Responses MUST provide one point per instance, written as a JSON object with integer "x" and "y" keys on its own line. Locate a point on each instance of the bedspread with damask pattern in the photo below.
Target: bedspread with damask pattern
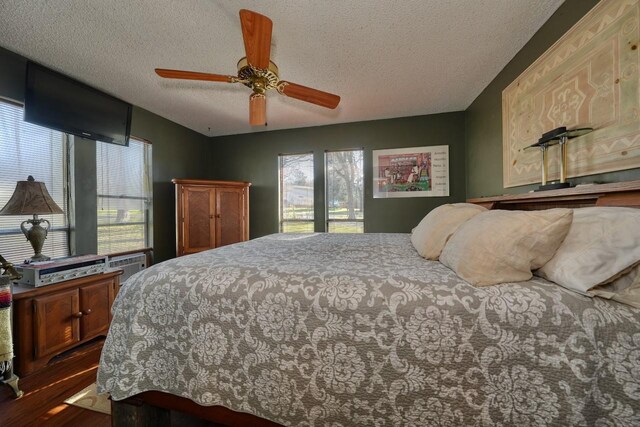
{"x": 341, "y": 330}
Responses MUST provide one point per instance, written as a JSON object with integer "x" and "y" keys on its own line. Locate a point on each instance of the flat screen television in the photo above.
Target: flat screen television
{"x": 58, "y": 102}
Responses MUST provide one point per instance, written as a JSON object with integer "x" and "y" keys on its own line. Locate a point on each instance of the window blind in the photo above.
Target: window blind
{"x": 29, "y": 149}
{"x": 124, "y": 196}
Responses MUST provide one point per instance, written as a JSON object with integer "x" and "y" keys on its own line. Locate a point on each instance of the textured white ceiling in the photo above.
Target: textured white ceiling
{"x": 385, "y": 58}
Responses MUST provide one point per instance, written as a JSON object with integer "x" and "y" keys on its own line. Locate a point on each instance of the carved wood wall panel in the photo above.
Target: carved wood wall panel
{"x": 588, "y": 78}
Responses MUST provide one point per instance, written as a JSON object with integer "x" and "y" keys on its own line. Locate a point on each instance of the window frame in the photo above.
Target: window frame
{"x": 66, "y": 189}
{"x": 281, "y": 220}
{"x": 326, "y": 190}
{"x": 148, "y": 201}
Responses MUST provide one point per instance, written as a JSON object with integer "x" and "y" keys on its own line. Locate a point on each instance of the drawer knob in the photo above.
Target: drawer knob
{"x": 77, "y": 315}
{"x": 87, "y": 312}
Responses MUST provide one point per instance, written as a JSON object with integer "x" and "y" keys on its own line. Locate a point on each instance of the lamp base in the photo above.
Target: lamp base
{"x": 39, "y": 258}
{"x": 554, "y": 186}
{"x": 36, "y": 235}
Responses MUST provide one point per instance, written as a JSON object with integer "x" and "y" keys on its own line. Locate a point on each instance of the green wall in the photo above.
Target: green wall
{"x": 84, "y": 230}
{"x": 254, "y": 157}
{"x": 178, "y": 152}
{"x": 12, "y": 75}
{"x": 484, "y": 115}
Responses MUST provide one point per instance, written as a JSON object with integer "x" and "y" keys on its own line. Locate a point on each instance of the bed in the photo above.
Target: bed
{"x": 322, "y": 329}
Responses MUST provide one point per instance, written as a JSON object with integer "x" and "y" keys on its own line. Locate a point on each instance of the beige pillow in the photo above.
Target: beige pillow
{"x": 432, "y": 233}
{"x": 603, "y": 244}
{"x": 504, "y": 246}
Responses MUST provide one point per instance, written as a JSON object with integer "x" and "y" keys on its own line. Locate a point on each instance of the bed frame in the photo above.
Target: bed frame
{"x": 157, "y": 408}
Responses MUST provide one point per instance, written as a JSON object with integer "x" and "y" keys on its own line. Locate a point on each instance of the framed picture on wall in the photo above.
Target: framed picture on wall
{"x": 411, "y": 172}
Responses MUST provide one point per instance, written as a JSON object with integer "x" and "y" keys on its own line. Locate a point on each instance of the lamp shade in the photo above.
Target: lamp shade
{"x": 30, "y": 197}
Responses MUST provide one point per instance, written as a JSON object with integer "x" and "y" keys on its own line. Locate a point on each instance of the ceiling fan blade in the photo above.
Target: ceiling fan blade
{"x": 307, "y": 94}
{"x": 256, "y": 32}
{"x": 192, "y": 75}
{"x": 257, "y": 109}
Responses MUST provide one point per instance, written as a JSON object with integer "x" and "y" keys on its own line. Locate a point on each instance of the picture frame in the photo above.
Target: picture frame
{"x": 411, "y": 172}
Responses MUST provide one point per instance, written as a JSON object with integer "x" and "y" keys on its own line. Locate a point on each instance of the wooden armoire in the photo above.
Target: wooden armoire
{"x": 210, "y": 214}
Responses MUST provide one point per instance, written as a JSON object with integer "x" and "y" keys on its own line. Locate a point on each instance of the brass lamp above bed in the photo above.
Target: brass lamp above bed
{"x": 554, "y": 137}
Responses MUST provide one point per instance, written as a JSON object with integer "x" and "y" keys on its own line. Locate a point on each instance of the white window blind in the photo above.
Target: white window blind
{"x": 124, "y": 196}
{"x": 27, "y": 149}
{"x": 345, "y": 191}
{"x": 296, "y": 193}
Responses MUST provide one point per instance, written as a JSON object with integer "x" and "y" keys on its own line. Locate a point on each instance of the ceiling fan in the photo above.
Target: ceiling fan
{"x": 258, "y": 72}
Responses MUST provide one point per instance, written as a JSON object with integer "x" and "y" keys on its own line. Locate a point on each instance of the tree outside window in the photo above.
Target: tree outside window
{"x": 345, "y": 191}
{"x": 296, "y": 193}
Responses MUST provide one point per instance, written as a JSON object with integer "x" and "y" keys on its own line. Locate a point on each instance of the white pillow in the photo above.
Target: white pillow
{"x": 432, "y": 233}
{"x": 504, "y": 246}
{"x": 603, "y": 243}
{"x": 625, "y": 289}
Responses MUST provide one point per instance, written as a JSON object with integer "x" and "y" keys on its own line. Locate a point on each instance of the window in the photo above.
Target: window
{"x": 345, "y": 190}
{"x": 124, "y": 196}
{"x": 296, "y": 193}
{"x": 29, "y": 149}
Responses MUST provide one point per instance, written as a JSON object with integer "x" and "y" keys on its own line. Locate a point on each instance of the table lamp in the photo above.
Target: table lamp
{"x": 32, "y": 198}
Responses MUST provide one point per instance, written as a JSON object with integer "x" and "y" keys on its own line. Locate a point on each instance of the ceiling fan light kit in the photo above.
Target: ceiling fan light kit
{"x": 258, "y": 72}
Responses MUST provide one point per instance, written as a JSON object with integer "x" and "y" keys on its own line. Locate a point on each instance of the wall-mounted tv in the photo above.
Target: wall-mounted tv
{"x": 59, "y": 102}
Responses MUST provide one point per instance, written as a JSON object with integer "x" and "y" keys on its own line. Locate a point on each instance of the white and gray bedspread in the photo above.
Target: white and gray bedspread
{"x": 341, "y": 330}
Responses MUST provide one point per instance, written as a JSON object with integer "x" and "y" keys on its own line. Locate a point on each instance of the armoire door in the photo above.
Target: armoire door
{"x": 198, "y": 219}
{"x": 229, "y": 216}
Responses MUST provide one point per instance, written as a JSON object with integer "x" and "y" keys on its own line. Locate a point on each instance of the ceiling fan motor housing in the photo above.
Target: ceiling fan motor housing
{"x": 257, "y": 79}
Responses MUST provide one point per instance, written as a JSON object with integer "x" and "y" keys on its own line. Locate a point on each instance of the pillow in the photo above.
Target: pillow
{"x": 625, "y": 289}
{"x": 504, "y": 246}
{"x": 603, "y": 243}
{"x": 432, "y": 233}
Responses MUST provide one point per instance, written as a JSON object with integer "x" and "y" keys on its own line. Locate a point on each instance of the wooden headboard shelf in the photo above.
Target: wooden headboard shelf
{"x": 615, "y": 194}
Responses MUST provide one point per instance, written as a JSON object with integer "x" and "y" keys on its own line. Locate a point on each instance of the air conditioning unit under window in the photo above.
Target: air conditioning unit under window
{"x": 130, "y": 264}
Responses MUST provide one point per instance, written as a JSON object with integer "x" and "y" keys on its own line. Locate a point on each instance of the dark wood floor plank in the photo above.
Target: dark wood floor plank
{"x": 45, "y": 391}
{"x": 67, "y": 415}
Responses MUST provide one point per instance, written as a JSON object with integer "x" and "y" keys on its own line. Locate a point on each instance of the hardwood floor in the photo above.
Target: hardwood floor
{"x": 44, "y": 393}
